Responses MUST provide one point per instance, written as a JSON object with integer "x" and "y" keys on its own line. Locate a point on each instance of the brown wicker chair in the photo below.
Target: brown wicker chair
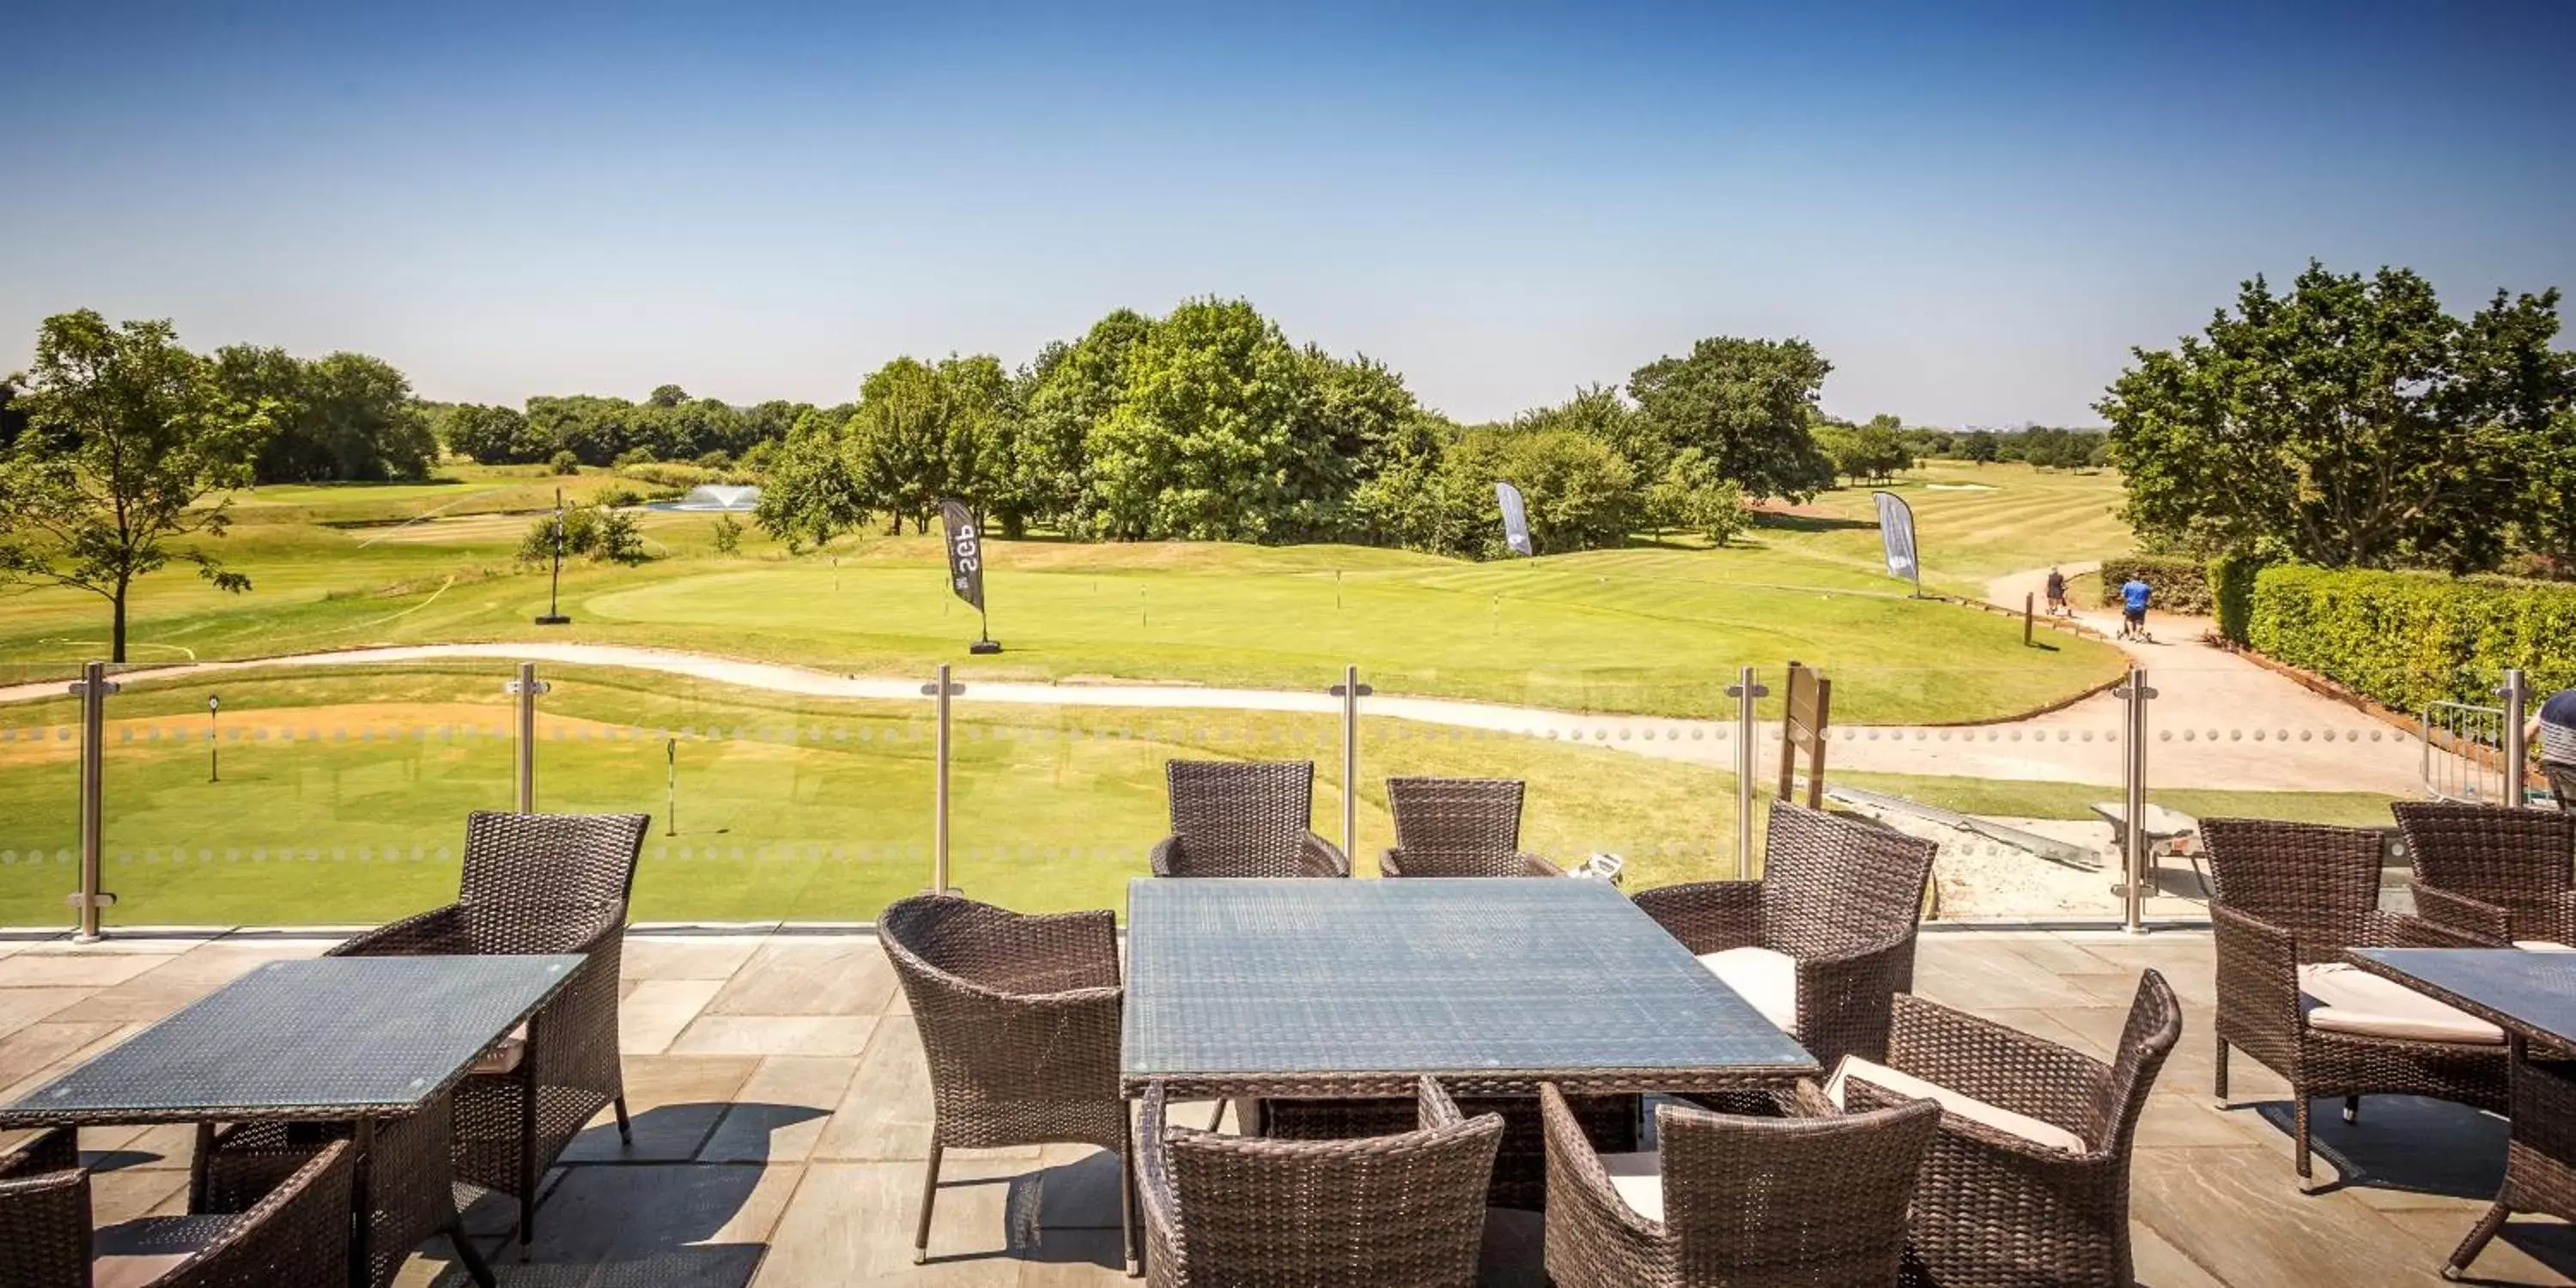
{"x": 2027, "y": 1183}
{"x": 1244, "y": 819}
{"x": 1020, "y": 1023}
{"x": 2498, "y": 875}
{"x": 295, "y": 1236}
{"x": 1733, "y": 1202}
{"x": 1402, "y": 1211}
{"x": 1459, "y": 827}
{"x": 2287, "y": 900}
{"x": 534, "y": 883}
{"x": 1838, "y": 901}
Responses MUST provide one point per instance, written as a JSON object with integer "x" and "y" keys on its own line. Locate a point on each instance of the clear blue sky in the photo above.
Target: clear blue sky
{"x": 1972, "y": 209}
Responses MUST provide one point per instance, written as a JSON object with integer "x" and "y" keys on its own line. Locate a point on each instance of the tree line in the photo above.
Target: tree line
{"x": 1209, "y": 423}
{"x": 587, "y": 429}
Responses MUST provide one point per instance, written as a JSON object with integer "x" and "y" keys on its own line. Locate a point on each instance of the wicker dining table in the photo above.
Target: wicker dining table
{"x": 2532, "y": 997}
{"x": 1326, "y": 989}
{"x": 366, "y": 1047}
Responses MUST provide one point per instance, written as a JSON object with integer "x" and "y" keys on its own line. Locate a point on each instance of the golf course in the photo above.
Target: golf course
{"x": 307, "y": 798}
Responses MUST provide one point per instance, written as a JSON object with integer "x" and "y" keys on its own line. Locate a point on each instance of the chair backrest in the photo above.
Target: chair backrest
{"x": 1242, "y": 818}
{"x": 986, "y": 988}
{"x": 557, "y": 859}
{"x": 1403, "y": 1209}
{"x": 1791, "y": 1202}
{"x": 1457, "y": 826}
{"x": 1832, "y": 884}
{"x": 2516, "y": 859}
{"x": 2155, "y": 1025}
{"x": 2316, "y": 881}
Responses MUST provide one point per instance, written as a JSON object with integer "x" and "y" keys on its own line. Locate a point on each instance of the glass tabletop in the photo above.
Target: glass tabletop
{"x": 2534, "y": 992}
{"x": 1422, "y": 976}
{"x": 329, "y": 1037}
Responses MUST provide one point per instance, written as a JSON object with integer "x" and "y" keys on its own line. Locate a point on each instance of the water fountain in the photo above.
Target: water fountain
{"x": 714, "y": 498}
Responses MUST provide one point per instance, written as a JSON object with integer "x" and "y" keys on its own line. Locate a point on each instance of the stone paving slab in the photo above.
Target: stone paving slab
{"x": 782, "y": 1115}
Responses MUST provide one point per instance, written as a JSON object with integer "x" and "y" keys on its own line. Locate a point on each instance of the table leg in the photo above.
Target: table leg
{"x": 362, "y": 1151}
{"x": 197, "y": 1163}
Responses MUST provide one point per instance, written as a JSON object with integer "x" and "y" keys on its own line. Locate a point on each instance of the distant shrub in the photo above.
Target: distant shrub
{"x": 580, "y": 533}
{"x": 620, "y": 497}
{"x": 564, "y": 462}
{"x": 715, "y": 460}
{"x": 618, "y": 538}
{"x": 634, "y": 456}
{"x": 728, "y": 534}
{"x": 2404, "y": 639}
{"x": 2181, "y": 585}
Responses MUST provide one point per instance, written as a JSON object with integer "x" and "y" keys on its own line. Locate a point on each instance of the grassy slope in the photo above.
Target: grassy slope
{"x": 1644, "y": 629}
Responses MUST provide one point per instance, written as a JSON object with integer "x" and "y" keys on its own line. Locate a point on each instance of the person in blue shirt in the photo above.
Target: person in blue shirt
{"x": 2134, "y": 595}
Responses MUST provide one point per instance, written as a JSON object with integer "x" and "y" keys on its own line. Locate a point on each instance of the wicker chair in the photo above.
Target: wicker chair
{"x": 2027, "y": 1183}
{"x": 2287, "y": 900}
{"x": 1459, "y": 827}
{"x": 1402, "y": 1211}
{"x": 1733, "y": 1202}
{"x": 2498, "y": 875}
{"x": 533, "y": 883}
{"x": 295, "y": 1236}
{"x": 1244, "y": 819}
{"x": 1020, "y": 1022}
{"x": 1822, "y": 942}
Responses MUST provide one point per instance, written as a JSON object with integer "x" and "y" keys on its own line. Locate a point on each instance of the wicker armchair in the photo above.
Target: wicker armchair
{"x": 534, "y": 883}
{"x": 1459, "y": 827}
{"x": 1402, "y": 1211}
{"x": 2495, "y": 874}
{"x": 1733, "y": 1202}
{"x": 2287, "y": 900}
{"x": 1822, "y": 942}
{"x": 1244, "y": 819}
{"x": 1020, "y": 1022}
{"x": 295, "y": 1236}
{"x": 2027, "y": 1182}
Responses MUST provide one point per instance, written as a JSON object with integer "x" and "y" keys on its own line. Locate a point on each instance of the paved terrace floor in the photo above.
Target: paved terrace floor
{"x": 782, "y": 1112}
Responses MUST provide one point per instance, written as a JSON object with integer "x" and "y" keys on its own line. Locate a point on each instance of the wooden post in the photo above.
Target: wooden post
{"x": 1804, "y": 719}
{"x": 2026, "y": 598}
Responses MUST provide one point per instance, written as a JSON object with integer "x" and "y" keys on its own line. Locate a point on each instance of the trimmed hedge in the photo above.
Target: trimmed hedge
{"x": 2231, "y": 592}
{"x": 2404, "y": 639}
{"x": 2181, "y": 585}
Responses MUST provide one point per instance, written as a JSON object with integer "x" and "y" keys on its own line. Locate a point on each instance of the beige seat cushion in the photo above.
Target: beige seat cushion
{"x": 1767, "y": 979}
{"x": 2541, "y": 946}
{"x": 132, "y": 1254}
{"x": 1639, "y": 1179}
{"x": 1965, "y": 1106}
{"x": 505, "y": 1055}
{"x": 2342, "y": 998}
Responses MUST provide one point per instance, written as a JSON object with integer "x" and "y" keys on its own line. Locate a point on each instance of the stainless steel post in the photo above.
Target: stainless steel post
{"x": 2133, "y": 807}
{"x": 2517, "y": 750}
{"x": 1744, "y": 691}
{"x": 92, "y": 688}
{"x": 943, "y": 690}
{"x": 1350, "y": 691}
{"x": 527, "y": 687}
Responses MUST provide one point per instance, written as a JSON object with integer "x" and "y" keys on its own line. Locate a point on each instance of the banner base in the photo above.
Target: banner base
{"x": 554, "y": 619}
{"x": 981, "y": 647}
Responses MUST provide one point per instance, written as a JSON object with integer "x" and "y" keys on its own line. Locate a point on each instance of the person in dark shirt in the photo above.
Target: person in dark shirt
{"x": 2057, "y": 595}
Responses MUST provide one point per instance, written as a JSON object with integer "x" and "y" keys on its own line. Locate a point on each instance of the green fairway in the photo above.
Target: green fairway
{"x": 1648, "y": 629}
{"x": 343, "y": 794}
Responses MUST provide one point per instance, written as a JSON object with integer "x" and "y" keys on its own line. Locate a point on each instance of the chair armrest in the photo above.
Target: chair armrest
{"x": 45, "y": 1207}
{"x": 1707, "y": 916}
{"x": 2381, "y": 928}
{"x": 2459, "y": 914}
{"x": 1845, "y": 1000}
{"x": 2257, "y": 975}
{"x": 2005, "y": 1152}
{"x": 1030, "y": 955}
{"x": 1534, "y": 866}
{"x": 1164, "y": 855}
{"x": 2002, "y": 1066}
{"x": 1154, "y": 1183}
{"x": 1586, "y": 1218}
{"x": 304, "y": 1219}
{"x": 1324, "y": 859}
{"x": 1433, "y": 1109}
{"x": 439, "y": 932}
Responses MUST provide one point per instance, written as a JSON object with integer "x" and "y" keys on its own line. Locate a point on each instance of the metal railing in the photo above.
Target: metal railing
{"x": 2464, "y": 752}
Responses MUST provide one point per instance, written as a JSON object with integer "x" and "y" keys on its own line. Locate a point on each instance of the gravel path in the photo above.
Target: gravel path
{"x": 2221, "y": 722}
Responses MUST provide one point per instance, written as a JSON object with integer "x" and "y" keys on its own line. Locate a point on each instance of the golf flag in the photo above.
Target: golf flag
{"x": 965, "y": 553}
{"x": 1896, "y": 537}
{"x": 1515, "y": 519}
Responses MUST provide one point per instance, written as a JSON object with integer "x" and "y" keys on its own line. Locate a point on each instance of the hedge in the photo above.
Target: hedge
{"x": 2181, "y": 585}
{"x": 2405, "y": 639}
{"x": 2231, "y": 592}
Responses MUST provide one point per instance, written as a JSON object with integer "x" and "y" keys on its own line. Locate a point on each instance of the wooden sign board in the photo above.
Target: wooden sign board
{"x": 1808, "y": 715}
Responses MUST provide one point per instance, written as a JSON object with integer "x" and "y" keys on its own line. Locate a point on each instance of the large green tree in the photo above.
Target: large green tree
{"x": 1203, "y": 442}
{"x": 1072, "y": 388}
{"x": 128, "y": 437}
{"x": 345, "y": 417}
{"x": 1746, "y": 405}
{"x": 2349, "y": 422}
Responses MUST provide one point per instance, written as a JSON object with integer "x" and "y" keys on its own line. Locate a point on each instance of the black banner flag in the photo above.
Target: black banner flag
{"x": 966, "y": 566}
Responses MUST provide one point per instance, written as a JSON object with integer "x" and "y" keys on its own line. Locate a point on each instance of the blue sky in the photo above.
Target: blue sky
{"x": 1974, "y": 210}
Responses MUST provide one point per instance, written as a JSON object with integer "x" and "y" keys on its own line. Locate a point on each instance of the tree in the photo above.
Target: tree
{"x": 1202, "y": 443}
{"x": 127, "y": 435}
{"x": 1692, "y": 497}
{"x": 1978, "y": 446}
{"x": 898, "y": 441}
{"x": 343, "y": 417}
{"x": 1072, "y": 388}
{"x": 493, "y": 435}
{"x": 809, "y": 491}
{"x": 1580, "y": 492}
{"x": 2351, "y": 422}
{"x": 1745, "y": 404}
{"x": 13, "y": 416}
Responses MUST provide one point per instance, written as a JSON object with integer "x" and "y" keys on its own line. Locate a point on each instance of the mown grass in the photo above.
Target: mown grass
{"x": 1653, "y": 629}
